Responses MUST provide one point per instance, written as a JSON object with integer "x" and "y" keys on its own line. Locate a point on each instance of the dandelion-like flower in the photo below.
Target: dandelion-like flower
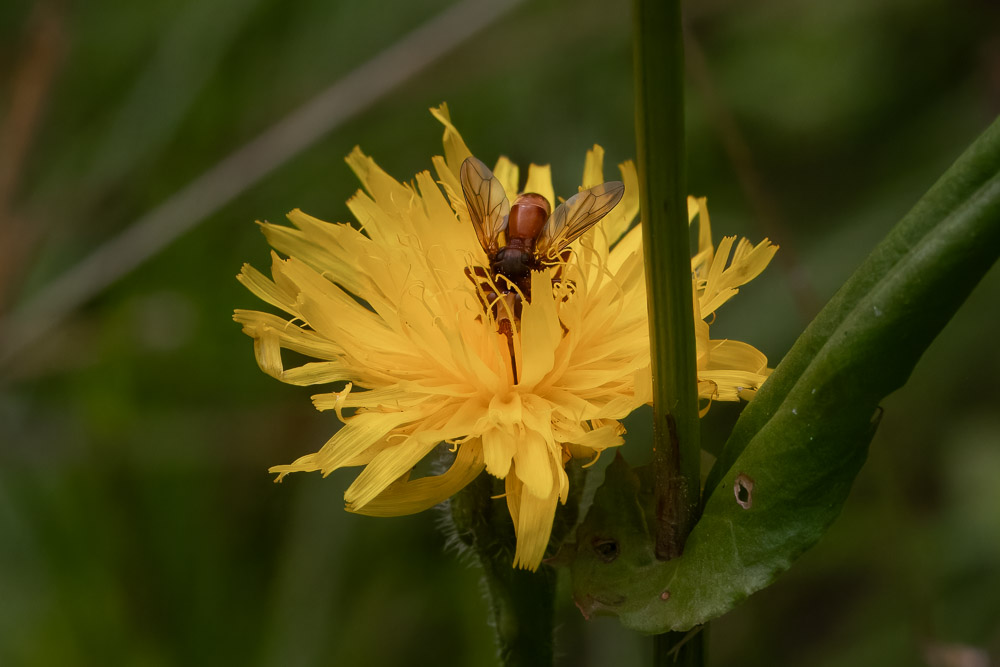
{"x": 387, "y": 308}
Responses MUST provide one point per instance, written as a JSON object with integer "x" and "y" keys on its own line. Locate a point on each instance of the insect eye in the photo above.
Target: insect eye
{"x": 606, "y": 550}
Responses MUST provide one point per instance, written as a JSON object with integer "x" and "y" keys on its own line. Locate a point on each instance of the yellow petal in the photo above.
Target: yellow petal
{"x": 381, "y": 186}
{"x": 540, "y": 182}
{"x": 593, "y": 168}
{"x": 507, "y": 173}
{"x": 263, "y": 287}
{"x": 722, "y": 282}
{"x": 385, "y": 399}
{"x": 699, "y": 206}
{"x": 727, "y": 385}
{"x": 362, "y": 431}
{"x": 718, "y": 266}
{"x": 388, "y": 466}
{"x": 335, "y": 314}
{"x": 455, "y": 150}
{"x": 289, "y": 336}
{"x": 321, "y": 246}
{"x": 538, "y": 418}
{"x": 626, "y": 257}
{"x": 602, "y": 437}
{"x": 533, "y": 526}
{"x": 750, "y": 260}
{"x": 622, "y": 216}
{"x": 267, "y": 350}
{"x": 513, "y": 488}
{"x": 533, "y": 464}
{"x": 316, "y": 372}
{"x": 409, "y": 497}
{"x": 540, "y": 331}
{"x": 452, "y": 188}
{"x": 506, "y": 409}
{"x": 498, "y": 451}
{"x": 734, "y": 354}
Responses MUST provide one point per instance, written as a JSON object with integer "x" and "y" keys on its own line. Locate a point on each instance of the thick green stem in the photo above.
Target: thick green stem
{"x": 523, "y": 603}
{"x": 659, "y": 128}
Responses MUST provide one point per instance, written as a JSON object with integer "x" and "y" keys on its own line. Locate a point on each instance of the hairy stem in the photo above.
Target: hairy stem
{"x": 522, "y": 603}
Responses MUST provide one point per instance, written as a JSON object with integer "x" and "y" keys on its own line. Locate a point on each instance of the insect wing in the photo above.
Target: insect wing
{"x": 575, "y": 216}
{"x": 487, "y": 203}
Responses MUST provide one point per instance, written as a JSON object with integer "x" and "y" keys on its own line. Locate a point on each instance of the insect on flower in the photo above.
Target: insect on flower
{"x": 382, "y": 314}
{"x": 524, "y": 237}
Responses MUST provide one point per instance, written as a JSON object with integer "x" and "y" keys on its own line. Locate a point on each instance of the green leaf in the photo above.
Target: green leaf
{"x": 789, "y": 464}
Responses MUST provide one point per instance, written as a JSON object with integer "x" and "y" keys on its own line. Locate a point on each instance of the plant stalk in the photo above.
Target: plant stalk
{"x": 680, "y": 649}
{"x": 659, "y": 128}
{"x": 659, "y": 88}
{"x": 522, "y": 603}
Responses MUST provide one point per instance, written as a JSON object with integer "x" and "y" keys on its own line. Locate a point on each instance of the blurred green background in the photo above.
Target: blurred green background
{"x": 138, "y": 524}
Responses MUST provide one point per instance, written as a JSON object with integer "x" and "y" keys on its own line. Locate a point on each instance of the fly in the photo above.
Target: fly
{"x": 525, "y": 237}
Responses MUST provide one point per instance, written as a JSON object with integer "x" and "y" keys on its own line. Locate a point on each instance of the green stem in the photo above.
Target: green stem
{"x": 680, "y": 649}
{"x": 659, "y": 128}
{"x": 522, "y": 603}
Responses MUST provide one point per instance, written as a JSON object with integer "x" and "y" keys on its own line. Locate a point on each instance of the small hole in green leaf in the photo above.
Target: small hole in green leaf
{"x": 877, "y": 415}
{"x": 606, "y": 550}
{"x": 743, "y": 490}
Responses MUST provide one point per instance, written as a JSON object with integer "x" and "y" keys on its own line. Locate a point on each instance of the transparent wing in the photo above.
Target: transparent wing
{"x": 487, "y": 202}
{"x": 575, "y": 216}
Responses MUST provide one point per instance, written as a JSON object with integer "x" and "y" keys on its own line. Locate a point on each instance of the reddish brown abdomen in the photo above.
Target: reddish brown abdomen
{"x": 527, "y": 216}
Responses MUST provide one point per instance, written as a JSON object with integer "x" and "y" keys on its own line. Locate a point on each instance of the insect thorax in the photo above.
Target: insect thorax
{"x": 512, "y": 262}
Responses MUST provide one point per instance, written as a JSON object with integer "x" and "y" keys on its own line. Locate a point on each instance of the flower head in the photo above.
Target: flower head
{"x": 388, "y": 311}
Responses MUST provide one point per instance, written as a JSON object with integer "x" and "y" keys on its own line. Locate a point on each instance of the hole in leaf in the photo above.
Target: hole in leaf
{"x": 743, "y": 490}
{"x": 877, "y": 415}
{"x": 606, "y": 550}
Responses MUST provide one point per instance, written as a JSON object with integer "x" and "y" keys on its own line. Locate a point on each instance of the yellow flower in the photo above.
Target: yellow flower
{"x": 387, "y": 309}
{"x": 727, "y": 369}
